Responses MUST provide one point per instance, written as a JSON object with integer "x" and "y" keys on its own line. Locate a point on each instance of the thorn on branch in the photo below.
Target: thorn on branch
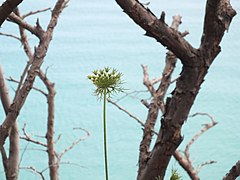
{"x": 162, "y": 17}
{"x": 183, "y": 34}
{"x": 145, "y": 103}
{"x": 39, "y": 28}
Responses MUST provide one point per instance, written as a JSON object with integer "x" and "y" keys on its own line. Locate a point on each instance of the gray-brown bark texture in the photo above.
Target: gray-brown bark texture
{"x": 233, "y": 173}
{"x": 196, "y": 62}
{"x": 11, "y": 163}
{"x": 45, "y": 38}
{"x": 53, "y": 166}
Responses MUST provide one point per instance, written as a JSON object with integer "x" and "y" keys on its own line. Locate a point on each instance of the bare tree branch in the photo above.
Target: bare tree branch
{"x": 10, "y": 35}
{"x": 233, "y": 173}
{"x": 35, "y": 12}
{"x": 157, "y": 103}
{"x": 11, "y": 79}
{"x": 34, "y": 170}
{"x": 184, "y": 159}
{"x": 73, "y": 144}
{"x": 39, "y": 54}
{"x": 50, "y": 126}
{"x": 203, "y": 130}
{"x": 204, "y": 164}
{"x": 158, "y": 29}
{"x": 30, "y": 139}
{"x": 4, "y": 160}
{"x": 147, "y": 82}
{"x": 195, "y": 63}
{"x": 186, "y": 165}
{"x": 11, "y": 168}
{"x": 6, "y": 8}
{"x": 127, "y": 112}
{"x": 36, "y": 30}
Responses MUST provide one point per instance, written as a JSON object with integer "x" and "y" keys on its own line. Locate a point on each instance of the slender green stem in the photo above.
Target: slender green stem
{"x": 105, "y": 133}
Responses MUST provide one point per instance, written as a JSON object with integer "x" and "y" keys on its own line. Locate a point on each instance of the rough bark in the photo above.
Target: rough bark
{"x": 7, "y": 8}
{"x": 40, "y": 52}
{"x": 11, "y": 167}
{"x": 233, "y": 173}
{"x": 156, "y": 103}
{"x": 53, "y": 166}
{"x": 195, "y": 62}
{"x": 158, "y": 29}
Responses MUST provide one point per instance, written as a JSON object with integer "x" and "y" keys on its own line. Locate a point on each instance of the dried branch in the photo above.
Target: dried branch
{"x": 58, "y": 138}
{"x": 6, "y": 8}
{"x": 30, "y": 139}
{"x": 186, "y": 165}
{"x": 50, "y": 126}
{"x": 218, "y": 17}
{"x": 203, "y": 130}
{"x": 147, "y": 82}
{"x": 74, "y": 143}
{"x": 158, "y": 29}
{"x": 132, "y": 94}
{"x": 127, "y": 112}
{"x": 34, "y": 170}
{"x": 157, "y": 102}
{"x": 233, "y": 173}
{"x": 11, "y": 166}
{"x": 204, "y": 164}
{"x": 10, "y": 35}
{"x": 36, "y": 30}
{"x": 11, "y": 79}
{"x": 4, "y": 160}
{"x": 184, "y": 159}
{"x": 195, "y": 67}
{"x": 23, "y": 153}
{"x": 35, "y": 12}
{"x": 39, "y": 54}
{"x": 59, "y": 6}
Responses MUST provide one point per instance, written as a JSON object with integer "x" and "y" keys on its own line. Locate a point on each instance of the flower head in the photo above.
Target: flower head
{"x": 106, "y": 80}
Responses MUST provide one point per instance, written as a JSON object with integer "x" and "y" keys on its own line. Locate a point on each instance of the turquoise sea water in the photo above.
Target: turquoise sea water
{"x": 93, "y": 34}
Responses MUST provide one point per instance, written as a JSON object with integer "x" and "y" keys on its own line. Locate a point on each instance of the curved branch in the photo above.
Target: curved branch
{"x": 157, "y": 29}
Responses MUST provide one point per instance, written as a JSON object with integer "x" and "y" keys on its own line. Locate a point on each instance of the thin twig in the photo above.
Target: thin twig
{"x": 11, "y": 79}
{"x": 34, "y": 170}
{"x": 203, "y": 130}
{"x": 35, "y": 12}
{"x": 24, "y": 150}
{"x": 29, "y": 139}
{"x": 10, "y": 35}
{"x": 132, "y": 94}
{"x": 130, "y": 114}
{"x": 127, "y": 112}
{"x": 204, "y": 164}
{"x": 75, "y": 142}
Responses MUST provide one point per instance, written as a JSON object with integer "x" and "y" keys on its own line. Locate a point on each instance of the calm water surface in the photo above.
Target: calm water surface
{"x": 93, "y": 34}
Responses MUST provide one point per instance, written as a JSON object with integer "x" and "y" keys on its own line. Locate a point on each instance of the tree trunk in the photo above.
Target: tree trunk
{"x": 195, "y": 63}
